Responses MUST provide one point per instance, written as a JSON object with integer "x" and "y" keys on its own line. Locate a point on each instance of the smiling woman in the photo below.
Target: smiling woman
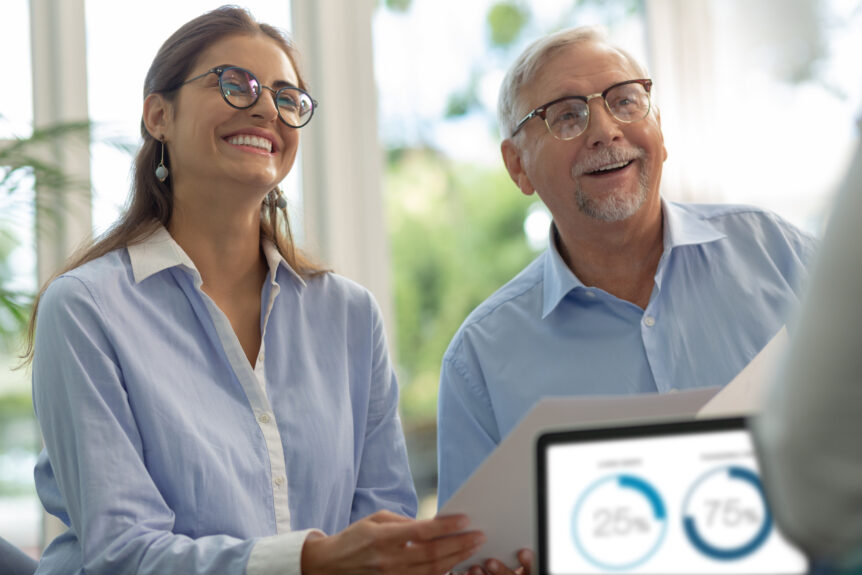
{"x": 211, "y": 400}
{"x": 209, "y": 143}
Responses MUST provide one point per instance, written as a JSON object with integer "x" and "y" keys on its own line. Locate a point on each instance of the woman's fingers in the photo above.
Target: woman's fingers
{"x": 438, "y": 556}
{"x": 388, "y": 543}
{"x": 386, "y": 516}
{"x": 432, "y": 546}
{"x": 425, "y": 529}
{"x": 443, "y": 547}
{"x": 436, "y": 545}
{"x": 526, "y": 557}
{"x": 497, "y": 568}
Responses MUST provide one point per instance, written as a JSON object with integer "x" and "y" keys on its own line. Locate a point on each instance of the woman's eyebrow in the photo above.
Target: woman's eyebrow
{"x": 278, "y": 84}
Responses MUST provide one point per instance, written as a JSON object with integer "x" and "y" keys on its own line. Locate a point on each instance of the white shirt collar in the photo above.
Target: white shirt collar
{"x": 159, "y": 251}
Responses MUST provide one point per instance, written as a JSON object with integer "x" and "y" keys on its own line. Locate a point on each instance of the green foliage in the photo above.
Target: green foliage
{"x": 15, "y": 406}
{"x": 19, "y": 443}
{"x": 628, "y": 6}
{"x": 506, "y": 20}
{"x": 25, "y": 157}
{"x": 398, "y": 5}
{"x": 460, "y": 103}
{"x": 22, "y": 162}
{"x": 456, "y": 234}
{"x": 14, "y": 306}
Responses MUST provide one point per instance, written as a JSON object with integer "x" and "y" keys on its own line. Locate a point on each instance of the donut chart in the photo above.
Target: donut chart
{"x": 619, "y": 522}
{"x": 725, "y": 514}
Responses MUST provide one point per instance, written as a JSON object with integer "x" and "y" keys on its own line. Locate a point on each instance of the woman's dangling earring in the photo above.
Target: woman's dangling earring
{"x": 162, "y": 169}
{"x": 280, "y": 202}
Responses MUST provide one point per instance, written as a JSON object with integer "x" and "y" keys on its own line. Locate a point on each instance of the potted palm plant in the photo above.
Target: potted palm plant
{"x": 24, "y": 161}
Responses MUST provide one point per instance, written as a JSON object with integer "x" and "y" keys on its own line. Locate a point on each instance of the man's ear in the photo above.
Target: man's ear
{"x": 513, "y": 158}
{"x": 157, "y": 116}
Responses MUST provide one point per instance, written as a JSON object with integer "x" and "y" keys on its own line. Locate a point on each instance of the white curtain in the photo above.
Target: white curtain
{"x": 750, "y": 112}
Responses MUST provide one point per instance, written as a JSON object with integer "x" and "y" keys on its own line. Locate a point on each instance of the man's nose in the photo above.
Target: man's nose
{"x": 603, "y": 128}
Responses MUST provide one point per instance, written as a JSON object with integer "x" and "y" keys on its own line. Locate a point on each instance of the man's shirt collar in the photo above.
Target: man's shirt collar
{"x": 681, "y": 228}
{"x": 684, "y": 228}
{"x": 159, "y": 251}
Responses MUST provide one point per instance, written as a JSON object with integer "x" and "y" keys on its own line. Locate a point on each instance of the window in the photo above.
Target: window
{"x": 758, "y": 101}
{"x": 458, "y": 227}
{"x": 20, "y": 510}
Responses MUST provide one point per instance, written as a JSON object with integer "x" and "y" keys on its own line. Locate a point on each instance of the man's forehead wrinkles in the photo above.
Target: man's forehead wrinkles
{"x": 562, "y": 86}
{"x": 569, "y": 74}
{"x": 587, "y": 61}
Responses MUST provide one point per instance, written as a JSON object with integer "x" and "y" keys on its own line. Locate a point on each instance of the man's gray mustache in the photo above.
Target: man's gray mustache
{"x": 604, "y": 157}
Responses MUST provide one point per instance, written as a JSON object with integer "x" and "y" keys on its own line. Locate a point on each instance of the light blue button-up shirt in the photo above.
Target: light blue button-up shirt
{"x": 168, "y": 452}
{"x": 725, "y": 284}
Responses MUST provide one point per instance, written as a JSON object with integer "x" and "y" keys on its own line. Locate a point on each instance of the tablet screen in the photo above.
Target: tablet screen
{"x": 668, "y": 498}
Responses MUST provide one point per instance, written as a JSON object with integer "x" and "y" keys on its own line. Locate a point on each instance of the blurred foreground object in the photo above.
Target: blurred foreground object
{"x": 812, "y": 423}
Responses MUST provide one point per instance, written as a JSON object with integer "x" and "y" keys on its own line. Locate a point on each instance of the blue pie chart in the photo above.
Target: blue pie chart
{"x": 725, "y": 514}
{"x": 618, "y": 522}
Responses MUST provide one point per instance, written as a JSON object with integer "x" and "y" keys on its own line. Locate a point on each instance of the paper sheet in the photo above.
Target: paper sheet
{"x": 744, "y": 395}
{"x": 500, "y": 496}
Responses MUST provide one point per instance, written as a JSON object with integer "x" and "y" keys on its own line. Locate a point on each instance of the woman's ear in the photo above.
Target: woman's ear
{"x": 158, "y": 113}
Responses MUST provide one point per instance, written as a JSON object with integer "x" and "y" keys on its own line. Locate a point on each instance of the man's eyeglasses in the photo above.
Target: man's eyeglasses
{"x": 568, "y": 117}
{"x": 241, "y": 90}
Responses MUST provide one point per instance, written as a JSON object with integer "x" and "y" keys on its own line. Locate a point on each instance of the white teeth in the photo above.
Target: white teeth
{"x": 613, "y": 166}
{"x": 253, "y": 141}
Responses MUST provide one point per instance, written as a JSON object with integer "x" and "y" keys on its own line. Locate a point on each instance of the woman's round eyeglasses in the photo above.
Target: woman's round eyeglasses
{"x": 241, "y": 90}
{"x": 568, "y": 117}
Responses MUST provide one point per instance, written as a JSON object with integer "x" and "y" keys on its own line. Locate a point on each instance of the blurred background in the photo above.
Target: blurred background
{"x": 400, "y": 184}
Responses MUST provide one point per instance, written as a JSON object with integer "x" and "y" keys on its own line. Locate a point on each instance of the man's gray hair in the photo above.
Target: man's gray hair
{"x": 530, "y": 62}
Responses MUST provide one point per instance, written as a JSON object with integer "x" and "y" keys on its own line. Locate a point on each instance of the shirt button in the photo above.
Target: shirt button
{"x": 590, "y": 293}
{"x": 261, "y": 357}
{"x": 673, "y": 390}
{"x": 263, "y": 418}
{"x": 279, "y": 481}
{"x": 649, "y": 321}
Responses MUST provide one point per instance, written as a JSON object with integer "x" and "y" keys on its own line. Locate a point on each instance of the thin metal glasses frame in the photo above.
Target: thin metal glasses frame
{"x": 541, "y": 110}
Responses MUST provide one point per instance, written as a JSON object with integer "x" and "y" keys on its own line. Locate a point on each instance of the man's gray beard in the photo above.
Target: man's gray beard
{"x": 613, "y": 207}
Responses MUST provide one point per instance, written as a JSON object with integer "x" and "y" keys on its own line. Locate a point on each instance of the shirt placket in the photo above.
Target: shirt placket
{"x": 253, "y": 381}
{"x": 654, "y": 333}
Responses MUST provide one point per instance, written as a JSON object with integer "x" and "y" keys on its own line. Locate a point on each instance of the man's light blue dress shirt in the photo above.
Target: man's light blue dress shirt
{"x": 168, "y": 452}
{"x": 726, "y": 282}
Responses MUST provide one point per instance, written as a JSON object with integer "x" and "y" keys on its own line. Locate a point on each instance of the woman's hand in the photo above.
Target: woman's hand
{"x": 495, "y": 567}
{"x": 385, "y": 543}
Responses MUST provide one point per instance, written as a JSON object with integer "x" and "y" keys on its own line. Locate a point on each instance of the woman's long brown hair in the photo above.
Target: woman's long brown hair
{"x": 151, "y": 201}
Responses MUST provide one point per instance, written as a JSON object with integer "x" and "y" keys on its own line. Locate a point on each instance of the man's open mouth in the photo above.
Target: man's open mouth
{"x": 610, "y": 168}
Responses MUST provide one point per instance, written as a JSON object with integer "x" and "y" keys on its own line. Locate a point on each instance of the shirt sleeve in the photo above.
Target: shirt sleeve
{"x": 467, "y": 429}
{"x": 384, "y": 480}
{"x": 279, "y": 554}
{"x": 796, "y": 252}
{"x": 809, "y": 433}
{"x": 114, "y": 509}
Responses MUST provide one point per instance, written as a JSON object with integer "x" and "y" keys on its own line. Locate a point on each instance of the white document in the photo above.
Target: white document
{"x": 500, "y": 496}
{"x": 744, "y": 395}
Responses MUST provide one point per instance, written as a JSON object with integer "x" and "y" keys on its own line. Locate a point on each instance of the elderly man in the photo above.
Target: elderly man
{"x": 635, "y": 294}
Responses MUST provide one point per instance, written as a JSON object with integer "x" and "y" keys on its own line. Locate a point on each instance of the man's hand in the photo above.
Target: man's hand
{"x": 495, "y": 567}
{"x": 385, "y": 543}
